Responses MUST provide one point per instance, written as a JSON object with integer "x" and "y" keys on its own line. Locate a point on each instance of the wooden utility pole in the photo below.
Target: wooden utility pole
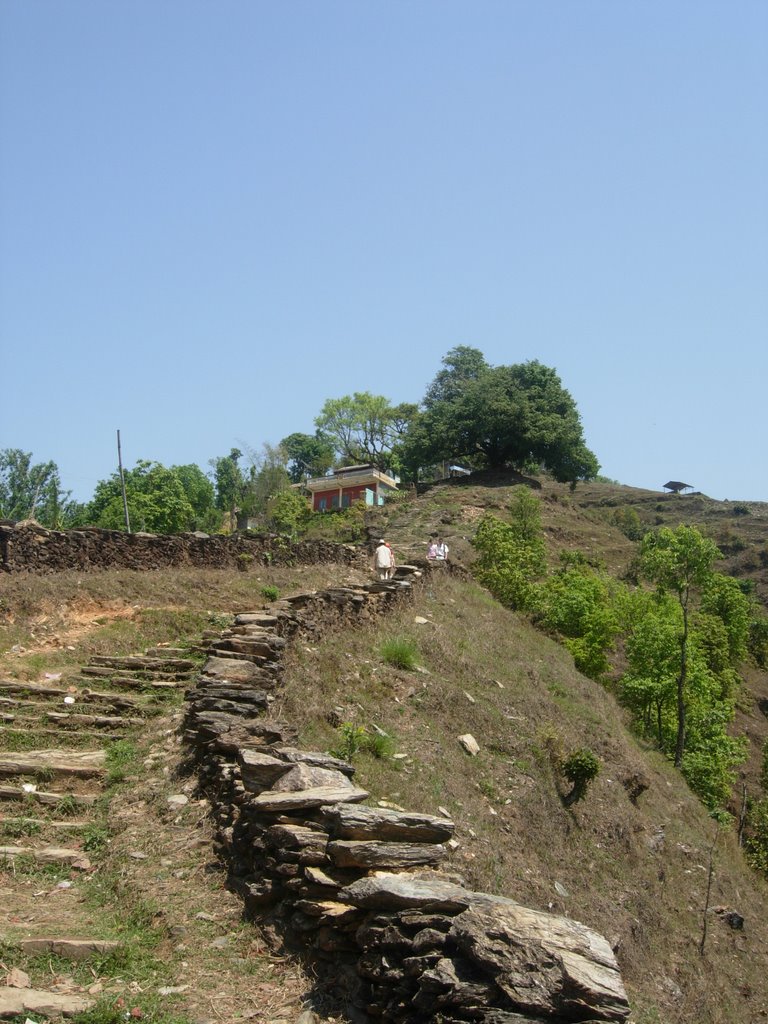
{"x": 122, "y": 485}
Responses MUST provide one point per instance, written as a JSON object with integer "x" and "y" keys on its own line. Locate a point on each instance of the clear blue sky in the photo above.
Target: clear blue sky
{"x": 214, "y": 216}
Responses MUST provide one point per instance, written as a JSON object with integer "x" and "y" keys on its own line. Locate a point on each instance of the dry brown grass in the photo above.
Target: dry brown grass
{"x": 636, "y": 872}
{"x": 645, "y": 893}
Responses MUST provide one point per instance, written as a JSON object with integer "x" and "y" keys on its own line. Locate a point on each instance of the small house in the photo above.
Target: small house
{"x": 348, "y": 485}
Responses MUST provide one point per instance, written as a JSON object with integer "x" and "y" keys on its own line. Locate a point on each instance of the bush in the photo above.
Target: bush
{"x": 270, "y": 593}
{"x": 400, "y": 652}
{"x": 581, "y": 768}
{"x": 356, "y": 739}
{"x": 627, "y": 520}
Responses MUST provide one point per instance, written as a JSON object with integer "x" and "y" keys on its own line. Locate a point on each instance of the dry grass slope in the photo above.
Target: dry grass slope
{"x": 634, "y": 867}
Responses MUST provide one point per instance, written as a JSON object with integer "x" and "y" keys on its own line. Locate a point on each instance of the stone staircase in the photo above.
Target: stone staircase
{"x": 58, "y": 741}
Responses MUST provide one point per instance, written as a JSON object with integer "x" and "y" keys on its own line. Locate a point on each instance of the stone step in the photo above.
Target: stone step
{"x": 97, "y": 721}
{"x": 47, "y": 855}
{"x": 17, "y": 1002}
{"x": 142, "y": 663}
{"x": 85, "y": 695}
{"x": 69, "y": 948}
{"x": 44, "y": 707}
{"x": 80, "y": 763}
{"x": 69, "y": 825}
{"x": 134, "y": 683}
{"x": 140, "y": 675}
{"x": 50, "y": 799}
{"x": 31, "y": 726}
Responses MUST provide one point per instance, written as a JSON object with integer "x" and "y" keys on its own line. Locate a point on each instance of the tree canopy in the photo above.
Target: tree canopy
{"x": 307, "y": 454}
{"x": 518, "y": 415}
{"x": 157, "y": 501}
{"x": 33, "y": 490}
{"x": 365, "y": 428}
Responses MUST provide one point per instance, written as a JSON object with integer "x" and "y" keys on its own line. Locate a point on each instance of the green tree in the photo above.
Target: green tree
{"x": 653, "y": 653}
{"x": 267, "y": 477}
{"x": 230, "y": 484}
{"x": 723, "y": 597}
{"x": 33, "y": 491}
{"x": 518, "y": 415}
{"x": 462, "y": 366}
{"x": 308, "y": 455}
{"x": 679, "y": 562}
{"x": 576, "y": 603}
{"x": 201, "y": 496}
{"x": 157, "y": 502}
{"x": 512, "y": 556}
{"x": 289, "y": 513}
{"x": 365, "y": 428}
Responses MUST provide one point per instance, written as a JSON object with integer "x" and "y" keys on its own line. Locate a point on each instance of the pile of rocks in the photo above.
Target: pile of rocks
{"x": 360, "y": 887}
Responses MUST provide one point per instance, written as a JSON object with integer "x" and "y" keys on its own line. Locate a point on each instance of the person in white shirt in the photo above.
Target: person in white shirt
{"x": 384, "y": 560}
{"x": 441, "y": 552}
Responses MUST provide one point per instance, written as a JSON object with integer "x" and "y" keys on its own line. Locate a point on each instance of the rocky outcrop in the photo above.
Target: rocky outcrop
{"x": 367, "y": 891}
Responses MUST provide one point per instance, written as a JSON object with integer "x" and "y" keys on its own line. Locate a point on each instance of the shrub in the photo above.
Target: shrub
{"x": 356, "y": 739}
{"x": 400, "y": 652}
{"x": 270, "y": 593}
{"x": 581, "y": 768}
{"x": 289, "y": 513}
{"x": 628, "y": 521}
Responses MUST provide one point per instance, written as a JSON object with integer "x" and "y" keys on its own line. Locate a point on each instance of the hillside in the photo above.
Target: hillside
{"x": 631, "y": 860}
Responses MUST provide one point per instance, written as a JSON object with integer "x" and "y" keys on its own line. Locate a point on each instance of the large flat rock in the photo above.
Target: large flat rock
{"x": 352, "y": 822}
{"x": 354, "y": 853}
{"x": 16, "y": 1001}
{"x": 234, "y": 671}
{"x": 62, "y": 762}
{"x": 276, "y": 803}
{"x": 545, "y": 964}
{"x": 70, "y": 949}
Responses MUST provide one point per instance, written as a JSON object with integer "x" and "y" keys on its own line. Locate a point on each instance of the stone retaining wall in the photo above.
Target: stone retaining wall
{"x": 32, "y": 548}
{"x": 367, "y": 891}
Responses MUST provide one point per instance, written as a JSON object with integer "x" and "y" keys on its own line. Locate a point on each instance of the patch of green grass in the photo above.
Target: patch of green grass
{"x": 122, "y": 759}
{"x": 13, "y": 828}
{"x": 400, "y": 652}
{"x": 15, "y": 740}
{"x": 116, "y": 1010}
{"x": 95, "y": 838}
{"x": 270, "y": 593}
{"x": 67, "y": 807}
{"x": 26, "y": 866}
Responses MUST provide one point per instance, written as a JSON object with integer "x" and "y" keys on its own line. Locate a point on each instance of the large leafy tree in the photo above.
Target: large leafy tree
{"x": 230, "y": 483}
{"x": 33, "y": 491}
{"x": 157, "y": 501}
{"x": 201, "y": 496}
{"x": 307, "y": 455}
{"x": 519, "y": 416}
{"x": 365, "y": 428}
